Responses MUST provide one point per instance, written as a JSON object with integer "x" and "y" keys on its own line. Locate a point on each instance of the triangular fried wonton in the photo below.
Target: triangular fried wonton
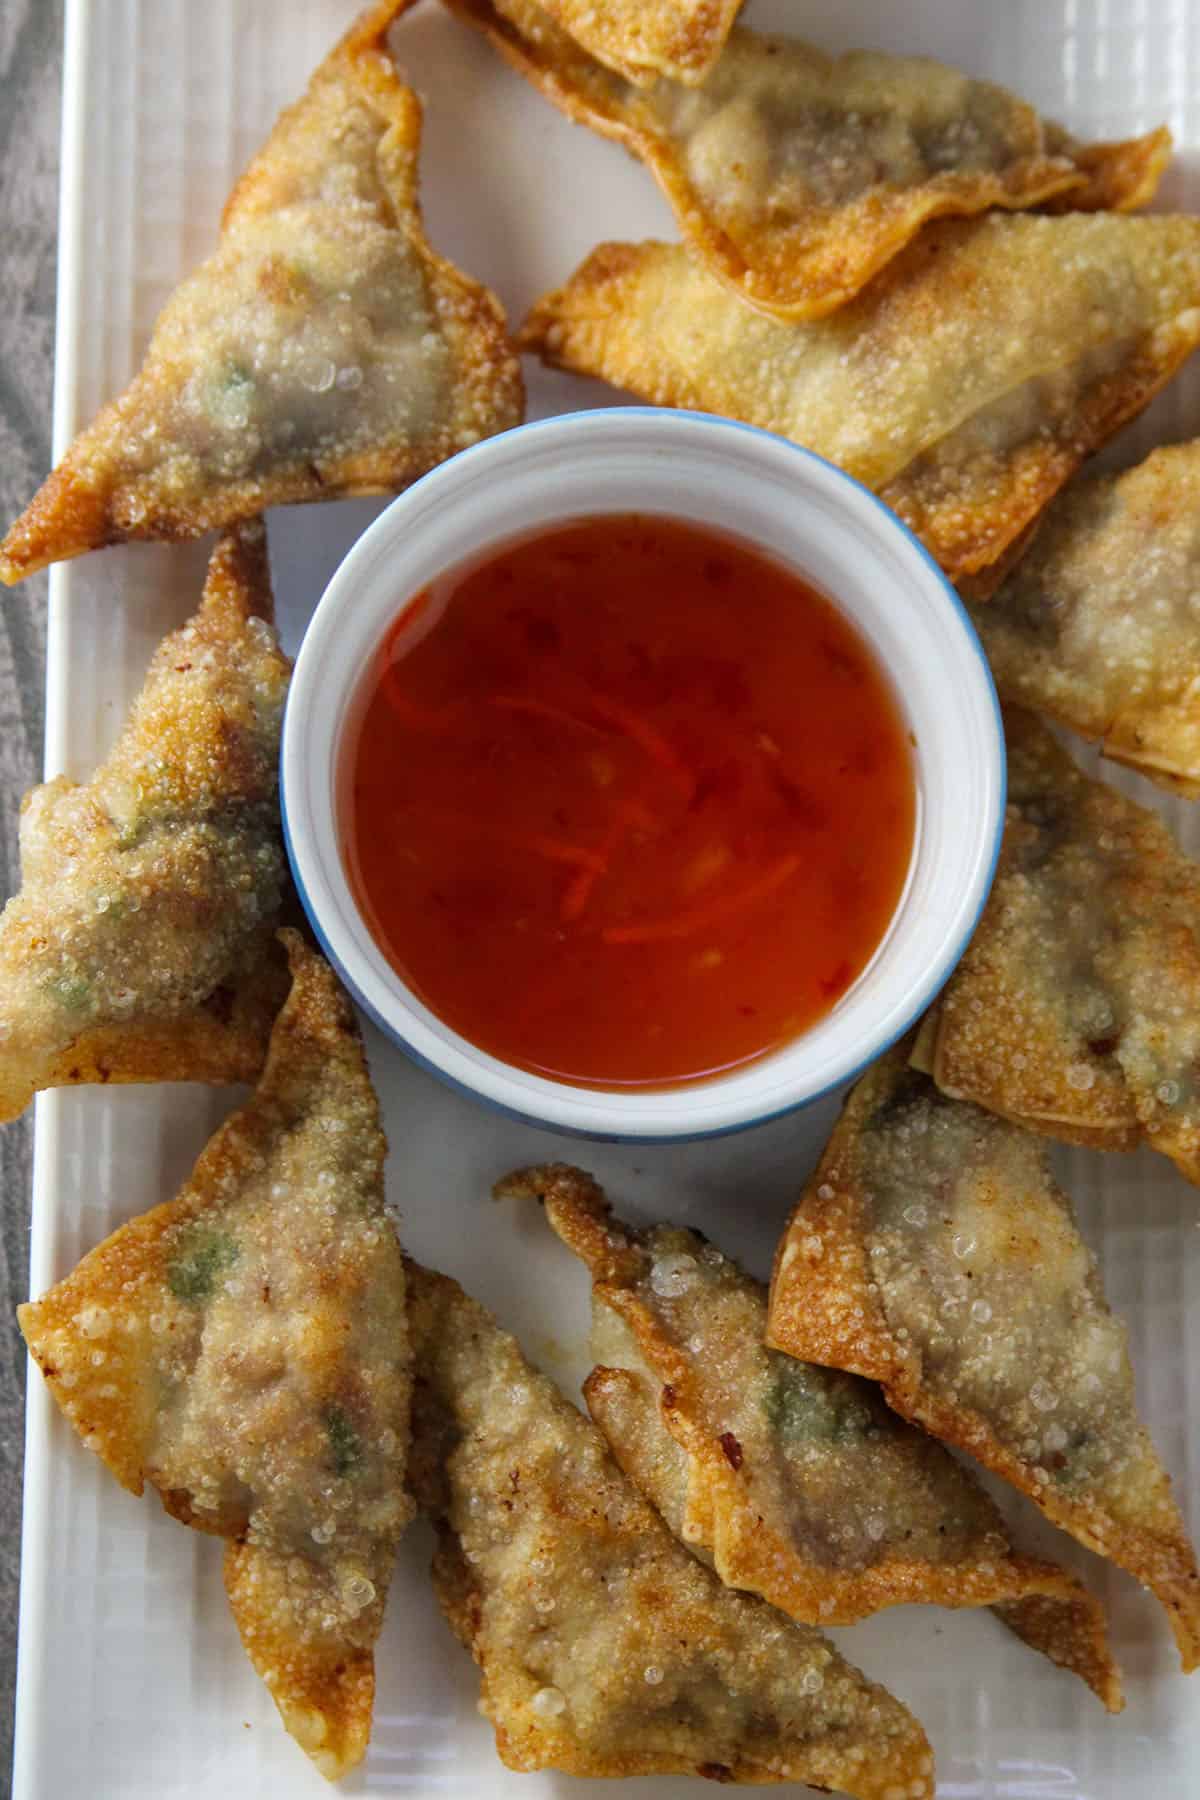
{"x": 1076, "y": 1009}
{"x": 796, "y": 1480}
{"x": 797, "y": 176}
{"x": 244, "y": 1348}
{"x": 1097, "y": 625}
{"x": 141, "y": 944}
{"x": 964, "y": 384}
{"x": 639, "y": 39}
{"x": 323, "y": 350}
{"x": 932, "y": 1251}
{"x": 605, "y": 1649}
{"x": 1055, "y": 1615}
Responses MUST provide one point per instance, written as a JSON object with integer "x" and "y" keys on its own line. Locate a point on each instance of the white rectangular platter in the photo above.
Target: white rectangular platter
{"x": 132, "y": 1682}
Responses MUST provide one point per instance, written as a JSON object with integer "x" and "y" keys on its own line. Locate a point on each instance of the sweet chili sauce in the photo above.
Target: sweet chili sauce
{"x": 627, "y": 802}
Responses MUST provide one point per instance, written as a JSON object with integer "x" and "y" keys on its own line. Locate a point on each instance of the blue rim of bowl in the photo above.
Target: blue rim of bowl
{"x": 397, "y": 1038}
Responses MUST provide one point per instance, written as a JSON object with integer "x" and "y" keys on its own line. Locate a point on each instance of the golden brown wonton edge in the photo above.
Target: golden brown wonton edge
{"x": 1107, "y": 1115}
{"x": 691, "y": 38}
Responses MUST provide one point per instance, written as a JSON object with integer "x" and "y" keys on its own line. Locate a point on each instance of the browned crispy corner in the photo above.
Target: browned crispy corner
{"x": 642, "y": 40}
{"x": 1120, "y": 177}
{"x": 323, "y": 1685}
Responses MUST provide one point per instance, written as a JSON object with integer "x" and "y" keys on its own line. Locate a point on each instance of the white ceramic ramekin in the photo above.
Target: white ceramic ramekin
{"x": 794, "y": 505}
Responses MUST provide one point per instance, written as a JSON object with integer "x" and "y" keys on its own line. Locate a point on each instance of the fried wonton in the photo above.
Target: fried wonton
{"x": 964, "y": 385}
{"x": 323, "y": 350}
{"x": 796, "y": 1481}
{"x": 141, "y": 944}
{"x": 244, "y": 1348}
{"x": 798, "y": 177}
{"x": 932, "y": 1251}
{"x": 1098, "y": 627}
{"x": 605, "y": 1649}
{"x": 639, "y": 39}
{"x": 1076, "y": 1009}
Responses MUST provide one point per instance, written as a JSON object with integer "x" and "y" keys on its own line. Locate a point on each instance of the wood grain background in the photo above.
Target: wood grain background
{"x": 30, "y": 74}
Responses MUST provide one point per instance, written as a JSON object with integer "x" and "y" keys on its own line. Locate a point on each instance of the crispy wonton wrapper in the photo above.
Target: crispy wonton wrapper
{"x": 964, "y": 385}
{"x": 1097, "y": 625}
{"x": 1059, "y": 1617}
{"x": 1076, "y": 1009}
{"x": 141, "y": 944}
{"x": 244, "y": 1348}
{"x": 323, "y": 350}
{"x": 640, "y": 39}
{"x": 798, "y": 177}
{"x": 605, "y": 1649}
{"x": 796, "y": 1481}
{"x": 932, "y": 1251}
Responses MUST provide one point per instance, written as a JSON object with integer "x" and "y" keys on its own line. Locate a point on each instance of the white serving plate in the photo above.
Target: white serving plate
{"x": 131, "y": 1681}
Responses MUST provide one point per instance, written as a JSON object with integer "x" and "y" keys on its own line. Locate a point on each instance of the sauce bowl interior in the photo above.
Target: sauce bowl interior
{"x": 796, "y": 508}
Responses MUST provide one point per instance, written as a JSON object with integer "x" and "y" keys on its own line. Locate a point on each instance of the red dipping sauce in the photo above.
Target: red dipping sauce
{"x": 627, "y": 803}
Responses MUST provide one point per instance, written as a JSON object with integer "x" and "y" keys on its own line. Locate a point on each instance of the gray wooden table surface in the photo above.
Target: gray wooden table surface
{"x": 30, "y": 73}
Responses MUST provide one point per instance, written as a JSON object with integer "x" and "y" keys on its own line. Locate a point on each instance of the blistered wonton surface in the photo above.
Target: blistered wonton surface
{"x": 998, "y": 353}
{"x": 324, "y": 349}
{"x": 604, "y": 1648}
{"x": 1099, "y": 624}
{"x": 797, "y": 1482}
{"x": 797, "y": 176}
{"x": 932, "y": 1251}
{"x": 244, "y": 1348}
{"x": 1076, "y": 1008}
{"x": 640, "y": 39}
{"x": 141, "y": 944}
